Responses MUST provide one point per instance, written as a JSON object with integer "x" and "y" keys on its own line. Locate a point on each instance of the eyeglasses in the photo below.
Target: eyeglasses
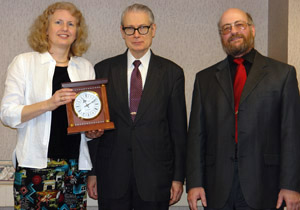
{"x": 143, "y": 30}
{"x": 238, "y": 25}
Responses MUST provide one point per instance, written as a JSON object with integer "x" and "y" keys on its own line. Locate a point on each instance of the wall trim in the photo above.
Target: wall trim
{"x": 6, "y": 172}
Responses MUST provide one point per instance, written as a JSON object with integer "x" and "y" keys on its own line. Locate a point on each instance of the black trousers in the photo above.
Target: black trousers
{"x": 131, "y": 200}
{"x": 236, "y": 200}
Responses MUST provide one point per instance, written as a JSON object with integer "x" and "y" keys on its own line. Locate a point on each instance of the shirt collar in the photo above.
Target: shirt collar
{"x": 249, "y": 57}
{"x": 144, "y": 60}
{"x": 46, "y": 57}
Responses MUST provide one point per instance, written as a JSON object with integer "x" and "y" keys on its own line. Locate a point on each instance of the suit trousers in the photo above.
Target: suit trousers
{"x": 236, "y": 200}
{"x": 131, "y": 200}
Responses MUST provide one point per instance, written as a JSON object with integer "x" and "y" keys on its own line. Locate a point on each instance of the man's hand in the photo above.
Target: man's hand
{"x": 176, "y": 192}
{"x": 92, "y": 187}
{"x": 291, "y": 198}
{"x": 195, "y": 194}
{"x": 94, "y": 133}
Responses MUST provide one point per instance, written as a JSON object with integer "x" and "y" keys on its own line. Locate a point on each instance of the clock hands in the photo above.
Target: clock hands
{"x": 87, "y": 105}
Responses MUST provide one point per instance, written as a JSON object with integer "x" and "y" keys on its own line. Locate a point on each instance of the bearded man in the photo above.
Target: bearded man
{"x": 244, "y": 136}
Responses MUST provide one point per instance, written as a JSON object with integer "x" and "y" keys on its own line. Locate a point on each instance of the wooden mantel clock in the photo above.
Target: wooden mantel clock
{"x": 89, "y": 110}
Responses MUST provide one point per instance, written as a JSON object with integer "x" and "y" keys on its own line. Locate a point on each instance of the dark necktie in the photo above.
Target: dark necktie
{"x": 239, "y": 82}
{"x": 136, "y": 89}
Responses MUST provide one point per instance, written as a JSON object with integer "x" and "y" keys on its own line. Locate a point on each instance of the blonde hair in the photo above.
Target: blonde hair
{"x": 38, "y": 39}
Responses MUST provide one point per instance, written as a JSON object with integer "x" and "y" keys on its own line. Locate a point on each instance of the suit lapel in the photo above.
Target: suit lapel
{"x": 224, "y": 78}
{"x": 256, "y": 75}
{"x": 119, "y": 75}
{"x": 153, "y": 79}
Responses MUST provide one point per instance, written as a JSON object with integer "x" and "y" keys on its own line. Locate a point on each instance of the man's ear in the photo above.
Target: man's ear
{"x": 153, "y": 27}
{"x": 253, "y": 30}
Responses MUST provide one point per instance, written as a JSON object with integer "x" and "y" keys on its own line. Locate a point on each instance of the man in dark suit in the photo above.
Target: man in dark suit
{"x": 243, "y": 147}
{"x": 140, "y": 164}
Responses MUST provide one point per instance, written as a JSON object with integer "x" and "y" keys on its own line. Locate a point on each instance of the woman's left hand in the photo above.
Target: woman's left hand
{"x": 94, "y": 133}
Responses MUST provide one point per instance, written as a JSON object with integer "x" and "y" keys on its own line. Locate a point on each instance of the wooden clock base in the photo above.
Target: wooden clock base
{"x": 102, "y": 121}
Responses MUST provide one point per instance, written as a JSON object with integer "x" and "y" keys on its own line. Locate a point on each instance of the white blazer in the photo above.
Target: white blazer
{"x": 29, "y": 80}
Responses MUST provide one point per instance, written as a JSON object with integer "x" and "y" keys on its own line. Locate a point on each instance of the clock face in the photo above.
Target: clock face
{"x": 87, "y": 105}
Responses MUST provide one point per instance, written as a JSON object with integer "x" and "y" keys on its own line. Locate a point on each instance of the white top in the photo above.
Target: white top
{"x": 29, "y": 80}
{"x": 143, "y": 67}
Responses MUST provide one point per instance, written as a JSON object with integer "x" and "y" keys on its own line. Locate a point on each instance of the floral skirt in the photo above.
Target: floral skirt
{"x": 59, "y": 186}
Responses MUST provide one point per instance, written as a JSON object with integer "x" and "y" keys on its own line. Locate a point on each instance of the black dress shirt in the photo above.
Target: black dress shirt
{"x": 249, "y": 59}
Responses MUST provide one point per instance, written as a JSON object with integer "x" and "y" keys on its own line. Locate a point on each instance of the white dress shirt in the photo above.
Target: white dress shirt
{"x": 29, "y": 81}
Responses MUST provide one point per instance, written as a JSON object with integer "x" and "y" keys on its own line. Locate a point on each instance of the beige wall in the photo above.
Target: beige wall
{"x": 284, "y": 39}
{"x": 294, "y": 35}
{"x": 186, "y": 34}
{"x": 278, "y": 30}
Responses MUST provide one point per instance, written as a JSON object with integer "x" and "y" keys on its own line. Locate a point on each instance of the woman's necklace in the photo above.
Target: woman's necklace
{"x": 63, "y": 61}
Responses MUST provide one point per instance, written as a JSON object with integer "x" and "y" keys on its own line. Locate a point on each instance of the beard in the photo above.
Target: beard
{"x": 236, "y": 50}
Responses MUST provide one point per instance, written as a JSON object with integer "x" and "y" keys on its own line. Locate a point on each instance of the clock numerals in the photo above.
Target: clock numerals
{"x": 87, "y": 104}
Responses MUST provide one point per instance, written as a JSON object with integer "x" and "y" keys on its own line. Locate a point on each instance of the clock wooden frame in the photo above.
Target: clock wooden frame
{"x": 102, "y": 121}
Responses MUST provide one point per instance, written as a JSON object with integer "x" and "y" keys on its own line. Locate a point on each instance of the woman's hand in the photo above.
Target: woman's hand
{"x": 61, "y": 97}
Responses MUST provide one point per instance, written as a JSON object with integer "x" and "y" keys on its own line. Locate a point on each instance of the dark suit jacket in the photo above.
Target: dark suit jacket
{"x": 152, "y": 147}
{"x": 268, "y": 148}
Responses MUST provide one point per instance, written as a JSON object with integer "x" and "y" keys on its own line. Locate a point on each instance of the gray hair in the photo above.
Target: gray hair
{"x": 138, "y": 8}
{"x": 249, "y": 17}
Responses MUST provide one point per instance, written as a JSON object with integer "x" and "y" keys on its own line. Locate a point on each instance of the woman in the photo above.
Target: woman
{"x": 51, "y": 165}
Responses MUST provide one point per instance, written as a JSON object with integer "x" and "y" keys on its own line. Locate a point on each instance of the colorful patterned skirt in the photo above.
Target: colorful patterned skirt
{"x": 59, "y": 186}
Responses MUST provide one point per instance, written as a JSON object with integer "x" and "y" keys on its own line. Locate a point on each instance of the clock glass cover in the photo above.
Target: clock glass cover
{"x": 87, "y": 105}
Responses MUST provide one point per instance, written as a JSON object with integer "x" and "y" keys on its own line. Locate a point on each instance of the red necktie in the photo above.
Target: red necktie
{"x": 136, "y": 89}
{"x": 239, "y": 82}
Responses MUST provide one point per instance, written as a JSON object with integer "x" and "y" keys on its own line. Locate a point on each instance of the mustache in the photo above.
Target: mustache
{"x": 236, "y": 36}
